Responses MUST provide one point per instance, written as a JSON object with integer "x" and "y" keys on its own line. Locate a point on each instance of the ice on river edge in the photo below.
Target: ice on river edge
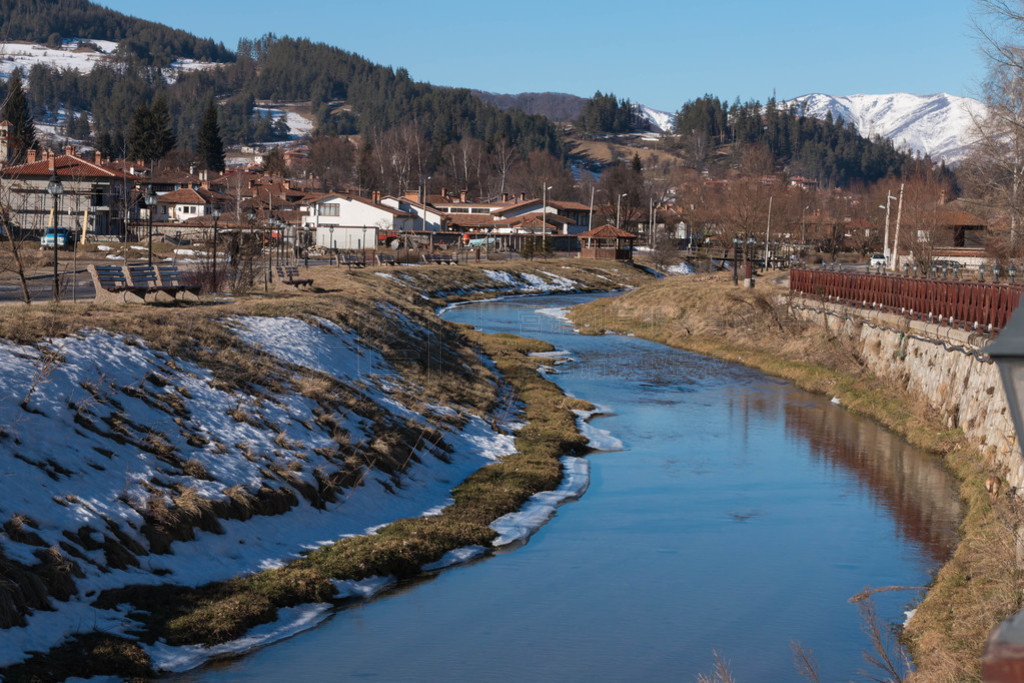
{"x": 512, "y": 528}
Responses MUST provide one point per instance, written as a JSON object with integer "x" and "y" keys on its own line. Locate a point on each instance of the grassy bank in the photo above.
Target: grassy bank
{"x": 706, "y": 314}
{"x": 439, "y": 359}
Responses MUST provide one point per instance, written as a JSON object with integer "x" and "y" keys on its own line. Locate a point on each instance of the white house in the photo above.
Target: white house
{"x": 570, "y": 218}
{"x": 428, "y": 217}
{"x": 187, "y": 203}
{"x": 351, "y": 222}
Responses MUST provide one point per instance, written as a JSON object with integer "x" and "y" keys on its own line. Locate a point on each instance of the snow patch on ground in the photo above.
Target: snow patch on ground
{"x": 454, "y": 557}
{"x": 67, "y": 477}
{"x": 518, "y": 526}
{"x": 291, "y": 620}
{"x": 681, "y": 269}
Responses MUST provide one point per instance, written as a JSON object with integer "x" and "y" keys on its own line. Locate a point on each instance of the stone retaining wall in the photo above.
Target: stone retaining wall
{"x": 943, "y": 365}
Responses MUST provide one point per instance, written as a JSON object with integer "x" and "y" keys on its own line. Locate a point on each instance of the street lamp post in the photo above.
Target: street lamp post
{"x": 735, "y": 260}
{"x": 150, "y": 204}
{"x": 56, "y": 189}
{"x": 216, "y": 216}
{"x": 334, "y": 247}
{"x": 885, "y": 243}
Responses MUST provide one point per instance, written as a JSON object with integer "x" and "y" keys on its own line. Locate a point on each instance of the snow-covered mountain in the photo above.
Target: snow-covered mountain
{"x": 938, "y": 125}
{"x": 661, "y": 121}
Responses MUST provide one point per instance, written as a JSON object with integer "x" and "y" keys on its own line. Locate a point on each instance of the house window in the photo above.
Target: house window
{"x": 480, "y": 211}
{"x": 330, "y": 210}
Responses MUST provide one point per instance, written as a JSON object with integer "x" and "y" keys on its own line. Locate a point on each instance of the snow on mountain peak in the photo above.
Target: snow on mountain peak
{"x": 939, "y": 125}
{"x": 661, "y": 121}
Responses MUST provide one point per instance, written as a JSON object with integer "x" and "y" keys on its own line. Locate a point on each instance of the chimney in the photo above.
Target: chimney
{"x": 444, "y": 193}
{"x": 462, "y": 196}
{"x": 98, "y": 157}
{"x": 69, "y": 150}
{"x": 942, "y": 197}
{"x": 51, "y": 166}
{"x": 33, "y": 156}
{"x": 504, "y": 197}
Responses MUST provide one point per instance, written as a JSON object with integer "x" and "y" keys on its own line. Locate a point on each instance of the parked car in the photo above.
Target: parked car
{"x": 62, "y": 235}
{"x": 877, "y": 260}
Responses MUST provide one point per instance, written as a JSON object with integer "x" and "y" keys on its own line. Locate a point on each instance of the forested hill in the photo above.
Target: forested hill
{"x": 375, "y": 98}
{"x": 829, "y": 151}
{"x": 557, "y": 106}
{"x": 48, "y": 21}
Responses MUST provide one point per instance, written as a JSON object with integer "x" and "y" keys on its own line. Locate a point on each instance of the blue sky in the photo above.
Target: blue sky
{"x": 660, "y": 52}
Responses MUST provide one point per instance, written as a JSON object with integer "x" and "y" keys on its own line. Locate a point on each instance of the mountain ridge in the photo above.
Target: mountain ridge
{"x": 938, "y": 125}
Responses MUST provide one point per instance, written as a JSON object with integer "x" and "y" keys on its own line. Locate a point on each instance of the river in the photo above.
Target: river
{"x": 731, "y": 513}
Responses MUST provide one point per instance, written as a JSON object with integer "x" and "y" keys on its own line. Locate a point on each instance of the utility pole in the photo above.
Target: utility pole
{"x": 896, "y": 240}
{"x": 768, "y": 233}
{"x": 590, "y": 218}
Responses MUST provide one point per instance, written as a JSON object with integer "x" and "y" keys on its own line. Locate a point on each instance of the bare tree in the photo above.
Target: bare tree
{"x": 502, "y": 158}
{"x": 995, "y": 167}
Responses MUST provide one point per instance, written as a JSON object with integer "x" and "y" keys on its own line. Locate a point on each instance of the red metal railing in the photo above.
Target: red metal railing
{"x": 963, "y": 304}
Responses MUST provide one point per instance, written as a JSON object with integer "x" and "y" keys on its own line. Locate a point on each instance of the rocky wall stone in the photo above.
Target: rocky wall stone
{"x": 942, "y": 365}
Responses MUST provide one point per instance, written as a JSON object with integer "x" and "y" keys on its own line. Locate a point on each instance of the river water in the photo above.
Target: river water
{"x": 735, "y": 514}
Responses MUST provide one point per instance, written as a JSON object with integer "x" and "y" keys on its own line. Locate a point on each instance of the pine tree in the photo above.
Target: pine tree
{"x": 163, "y": 132}
{"x": 16, "y": 112}
{"x": 140, "y": 138}
{"x": 210, "y": 147}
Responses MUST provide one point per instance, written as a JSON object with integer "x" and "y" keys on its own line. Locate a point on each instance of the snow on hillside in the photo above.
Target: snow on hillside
{"x": 661, "y": 121}
{"x": 68, "y": 56}
{"x": 938, "y": 125}
{"x": 65, "y": 472}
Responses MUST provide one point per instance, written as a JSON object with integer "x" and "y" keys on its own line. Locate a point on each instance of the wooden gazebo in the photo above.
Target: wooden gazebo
{"x": 607, "y": 242}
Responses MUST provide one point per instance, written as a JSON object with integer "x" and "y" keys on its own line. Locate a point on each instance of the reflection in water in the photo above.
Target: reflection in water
{"x": 911, "y": 485}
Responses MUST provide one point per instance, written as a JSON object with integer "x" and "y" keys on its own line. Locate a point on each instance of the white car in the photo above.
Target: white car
{"x": 877, "y": 260}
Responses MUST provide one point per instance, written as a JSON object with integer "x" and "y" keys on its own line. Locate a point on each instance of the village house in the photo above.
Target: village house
{"x": 185, "y": 204}
{"x": 96, "y": 199}
{"x": 351, "y": 222}
{"x": 430, "y": 218}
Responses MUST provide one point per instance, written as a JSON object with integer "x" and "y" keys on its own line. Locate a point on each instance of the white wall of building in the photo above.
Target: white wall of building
{"x": 346, "y": 238}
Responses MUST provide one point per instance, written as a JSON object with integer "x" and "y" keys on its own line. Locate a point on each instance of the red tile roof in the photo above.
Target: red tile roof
{"x": 606, "y": 232}
{"x": 66, "y": 166}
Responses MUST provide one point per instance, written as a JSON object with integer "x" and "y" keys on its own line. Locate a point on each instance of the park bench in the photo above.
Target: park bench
{"x": 170, "y": 278}
{"x": 385, "y": 259}
{"x": 112, "y": 285}
{"x": 438, "y": 258}
{"x": 144, "y": 279}
{"x": 289, "y": 275}
{"x": 352, "y": 260}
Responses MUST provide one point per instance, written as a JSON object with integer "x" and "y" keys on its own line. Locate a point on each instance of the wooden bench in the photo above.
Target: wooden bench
{"x": 112, "y": 285}
{"x": 289, "y": 275}
{"x": 144, "y": 279}
{"x": 352, "y": 260}
{"x": 385, "y": 259}
{"x": 438, "y": 258}
{"x": 170, "y": 278}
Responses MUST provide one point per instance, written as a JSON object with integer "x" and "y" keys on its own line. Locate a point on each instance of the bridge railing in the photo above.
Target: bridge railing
{"x": 982, "y": 306}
